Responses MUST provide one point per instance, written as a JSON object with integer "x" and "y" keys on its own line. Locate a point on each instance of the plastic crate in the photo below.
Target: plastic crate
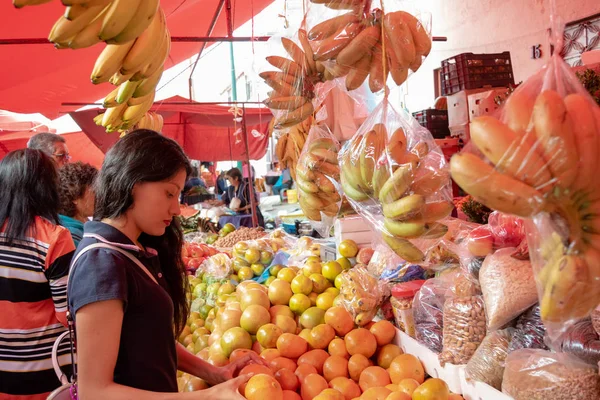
{"x": 472, "y": 71}
{"x": 436, "y": 122}
{"x": 195, "y": 199}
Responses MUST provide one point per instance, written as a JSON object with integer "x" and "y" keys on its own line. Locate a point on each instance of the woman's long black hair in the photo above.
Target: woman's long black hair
{"x": 146, "y": 156}
{"x": 28, "y": 189}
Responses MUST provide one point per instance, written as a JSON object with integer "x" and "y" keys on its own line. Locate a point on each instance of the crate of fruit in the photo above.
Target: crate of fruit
{"x": 472, "y": 71}
{"x": 436, "y": 122}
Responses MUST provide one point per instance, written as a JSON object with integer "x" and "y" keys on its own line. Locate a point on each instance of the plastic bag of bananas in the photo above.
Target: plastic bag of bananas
{"x": 396, "y": 177}
{"x": 539, "y": 158}
{"x": 317, "y": 175}
{"x": 361, "y": 293}
{"x": 354, "y": 36}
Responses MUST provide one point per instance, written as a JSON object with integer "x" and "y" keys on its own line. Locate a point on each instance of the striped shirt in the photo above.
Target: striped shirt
{"x": 33, "y": 300}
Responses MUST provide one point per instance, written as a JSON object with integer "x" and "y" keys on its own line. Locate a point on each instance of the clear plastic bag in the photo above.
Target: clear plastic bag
{"x": 508, "y": 287}
{"x": 428, "y": 311}
{"x": 541, "y": 375}
{"x": 317, "y": 172}
{"x": 501, "y": 231}
{"x": 582, "y": 341}
{"x": 487, "y": 364}
{"x": 395, "y": 177}
{"x": 596, "y": 320}
{"x": 529, "y": 332}
{"x": 464, "y": 323}
{"x": 362, "y": 294}
{"x": 540, "y": 160}
{"x": 219, "y": 266}
{"x": 360, "y": 40}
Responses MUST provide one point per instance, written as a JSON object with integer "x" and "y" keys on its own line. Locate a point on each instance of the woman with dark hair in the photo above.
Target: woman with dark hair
{"x": 129, "y": 300}
{"x": 76, "y": 197}
{"x": 35, "y": 253}
{"x": 240, "y": 190}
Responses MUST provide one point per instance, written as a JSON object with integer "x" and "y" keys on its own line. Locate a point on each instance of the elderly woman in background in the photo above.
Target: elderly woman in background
{"x": 76, "y": 197}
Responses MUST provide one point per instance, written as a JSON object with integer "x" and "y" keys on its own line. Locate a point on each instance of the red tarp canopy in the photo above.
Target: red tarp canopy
{"x": 206, "y": 132}
{"x": 38, "y": 78}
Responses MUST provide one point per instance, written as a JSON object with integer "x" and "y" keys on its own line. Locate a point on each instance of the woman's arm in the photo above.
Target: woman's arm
{"x": 187, "y": 362}
{"x": 98, "y": 337}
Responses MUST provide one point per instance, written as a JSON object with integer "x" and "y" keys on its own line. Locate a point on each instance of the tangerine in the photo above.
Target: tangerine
{"x": 386, "y": 355}
{"x": 356, "y": 365}
{"x": 339, "y": 319}
{"x": 282, "y": 363}
{"x": 291, "y": 346}
{"x": 330, "y": 394}
{"x": 321, "y": 335}
{"x": 312, "y": 385}
{"x": 304, "y": 370}
{"x": 335, "y": 367}
{"x": 375, "y": 393}
{"x": 261, "y": 387}
{"x": 408, "y": 386}
{"x": 287, "y": 379}
{"x": 346, "y": 386}
{"x": 406, "y": 366}
{"x": 337, "y": 347}
{"x": 316, "y": 358}
{"x": 384, "y": 331}
{"x": 373, "y": 377}
{"x": 361, "y": 341}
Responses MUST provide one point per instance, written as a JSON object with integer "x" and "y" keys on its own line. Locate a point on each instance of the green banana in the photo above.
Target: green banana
{"x": 397, "y": 185}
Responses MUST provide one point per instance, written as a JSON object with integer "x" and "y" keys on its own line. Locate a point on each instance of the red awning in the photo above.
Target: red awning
{"x": 206, "y": 132}
{"x": 39, "y": 78}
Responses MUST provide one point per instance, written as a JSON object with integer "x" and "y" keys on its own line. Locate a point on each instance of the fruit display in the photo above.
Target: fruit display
{"x": 366, "y": 43}
{"x": 251, "y": 258}
{"x": 395, "y": 176}
{"x": 151, "y": 120}
{"x": 316, "y": 172}
{"x": 194, "y": 255}
{"x": 361, "y": 294}
{"x": 290, "y": 144}
{"x": 542, "y": 156}
{"x": 228, "y": 237}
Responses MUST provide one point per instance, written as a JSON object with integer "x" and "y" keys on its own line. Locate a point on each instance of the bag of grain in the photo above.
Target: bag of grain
{"x": 508, "y": 287}
{"x": 541, "y": 375}
{"x": 487, "y": 364}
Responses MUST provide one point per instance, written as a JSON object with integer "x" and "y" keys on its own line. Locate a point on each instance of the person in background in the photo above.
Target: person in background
{"x": 285, "y": 182}
{"x": 129, "y": 311}
{"x": 194, "y": 181}
{"x": 53, "y": 145}
{"x": 76, "y": 194}
{"x": 221, "y": 186}
{"x": 240, "y": 189}
{"x": 35, "y": 253}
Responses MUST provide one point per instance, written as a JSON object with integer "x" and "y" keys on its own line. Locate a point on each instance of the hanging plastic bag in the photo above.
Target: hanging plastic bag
{"x": 529, "y": 332}
{"x": 508, "y": 287}
{"x": 361, "y": 294}
{"x": 582, "y": 341}
{"x": 487, "y": 364}
{"x": 541, "y": 375}
{"x": 501, "y": 231}
{"x": 350, "y": 39}
{"x": 540, "y": 160}
{"x": 317, "y": 172}
{"x": 395, "y": 176}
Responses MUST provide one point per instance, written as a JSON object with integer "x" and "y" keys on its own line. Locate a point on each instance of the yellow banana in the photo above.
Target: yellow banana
{"x": 587, "y": 140}
{"x": 353, "y": 192}
{"x": 400, "y": 40}
{"x": 23, "y": 3}
{"x": 126, "y": 91}
{"x": 495, "y": 190}
{"x": 324, "y": 155}
{"x": 405, "y": 208}
{"x": 517, "y": 111}
{"x": 148, "y": 85}
{"x": 63, "y": 30}
{"x": 134, "y": 113}
{"x": 304, "y": 173}
{"x": 359, "y": 73}
{"x": 397, "y": 146}
{"x": 294, "y": 117}
{"x": 141, "y": 20}
{"x": 311, "y": 213}
{"x": 109, "y": 62}
{"x": 286, "y": 102}
{"x": 397, "y": 185}
{"x": 312, "y": 201}
{"x": 329, "y": 27}
{"x": 415, "y": 230}
{"x": 88, "y": 35}
{"x": 111, "y": 99}
{"x": 118, "y": 78}
{"x": 295, "y": 52}
{"x": 323, "y": 183}
{"x": 436, "y": 211}
{"x": 113, "y": 115}
{"x": 307, "y": 186}
{"x": 135, "y": 101}
{"x": 508, "y": 152}
{"x": 420, "y": 149}
{"x": 554, "y": 130}
{"x": 323, "y": 143}
{"x": 360, "y": 47}
{"x": 144, "y": 45}
{"x": 118, "y": 16}
{"x": 308, "y": 52}
{"x": 381, "y": 174}
{"x": 286, "y": 65}
{"x": 158, "y": 61}
{"x": 403, "y": 248}
{"x": 329, "y": 169}
{"x": 418, "y": 32}
{"x": 98, "y": 119}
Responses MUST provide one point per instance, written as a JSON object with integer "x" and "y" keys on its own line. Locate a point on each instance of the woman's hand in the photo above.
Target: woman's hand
{"x": 228, "y": 390}
{"x": 230, "y": 370}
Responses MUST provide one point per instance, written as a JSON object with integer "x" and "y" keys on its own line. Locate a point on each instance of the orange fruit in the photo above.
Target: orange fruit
{"x": 257, "y": 348}
{"x": 408, "y": 386}
{"x": 321, "y": 335}
{"x": 316, "y": 358}
{"x": 235, "y": 338}
{"x": 290, "y": 395}
{"x": 392, "y": 387}
{"x": 337, "y": 347}
{"x": 312, "y": 317}
{"x": 432, "y": 389}
{"x": 256, "y": 369}
{"x": 348, "y": 248}
{"x": 345, "y": 386}
{"x": 398, "y": 396}
{"x": 340, "y": 320}
{"x": 230, "y": 319}
{"x": 280, "y": 310}
{"x": 287, "y": 379}
{"x": 280, "y": 292}
{"x": 253, "y": 317}
{"x": 291, "y": 346}
{"x": 238, "y": 353}
{"x": 330, "y": 394}
{"x": 282, "y": 363}
{"x": 375, "y": 393}
{"x": 261, "y": 387}
{"x": 193, "y": 384}
{"x": 304, "y": 370}
{"x": 270, "y": 354}
{"x": 361, "y": 341}
{"x": 335, "y": 367}
{"x": 356, "y": 364}
{"x": 406, "y": 366}
{"x": 312, "y": 385}
{"x": 256, "y": 297}
{"x": 267, "y": 335}
{"x": 386, "y": 355}
{"x": 287, "y": 324}
{"x": 373, "y": 377}
{"x": 305, "y": 334}
{"x": 384, "y": 331}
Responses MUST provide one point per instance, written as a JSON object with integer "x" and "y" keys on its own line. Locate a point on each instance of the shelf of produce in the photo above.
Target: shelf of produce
{"x": 480, "y": 390}
{"x": 449, "y": 373}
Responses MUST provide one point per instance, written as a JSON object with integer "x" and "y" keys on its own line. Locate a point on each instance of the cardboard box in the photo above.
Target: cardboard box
{"x": 458, "y": 106}
{"x": 462, "y": 132}
{"x": 484, "y": 103}
{"x": 352, "y": 223}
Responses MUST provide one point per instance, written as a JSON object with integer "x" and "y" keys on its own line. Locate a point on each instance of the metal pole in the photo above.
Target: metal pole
{"x": 231, "y": 57}
{"x": 250, "y": 180}
{"x": 209, "y": 32}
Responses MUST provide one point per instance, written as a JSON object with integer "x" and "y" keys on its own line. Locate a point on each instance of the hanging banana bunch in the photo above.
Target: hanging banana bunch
{"x": 290, "y": 143}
